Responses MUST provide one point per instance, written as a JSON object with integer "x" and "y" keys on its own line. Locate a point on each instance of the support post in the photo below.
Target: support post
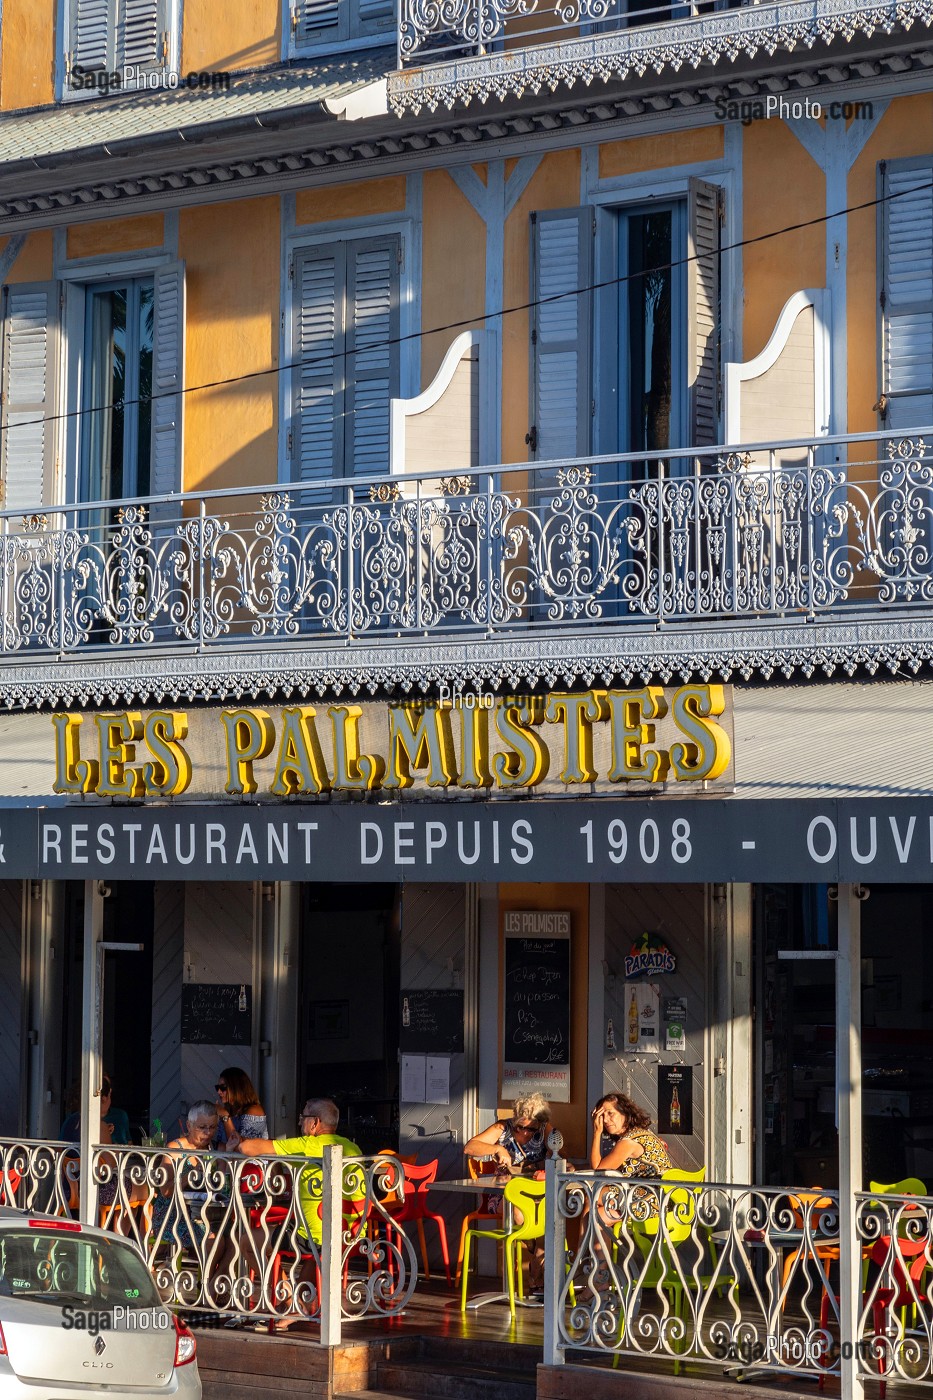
{"x": 92, "y": 1011}
{"x": 555, "y": 1264}
{"x": 331, "y": 1245}
{"x": 849, "y": 1088}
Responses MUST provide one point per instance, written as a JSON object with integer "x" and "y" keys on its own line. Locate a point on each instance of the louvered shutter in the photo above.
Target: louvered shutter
{"x": 372, "y": 373}
{"x": 317, "y": 356}
{"x": 90, "y": 29}
{"x": 375, "y": 17}
{"x": 316, "y": 22}
{"x": 907, "y": 293}
{"x": 168, "y": 373}
{"x": 703, "y": 243}
{"x": 31, "y": 319}
{"x": 139, "y": 34}
{"x": 561, "y": 279}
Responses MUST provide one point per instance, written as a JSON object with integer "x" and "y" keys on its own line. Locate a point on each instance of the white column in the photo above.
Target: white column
{"x": 92, "y": 1012}
{"x": 849, "y": 1087}
{"x": 555, "y": 1227}
{"x": 331, "y": 1246}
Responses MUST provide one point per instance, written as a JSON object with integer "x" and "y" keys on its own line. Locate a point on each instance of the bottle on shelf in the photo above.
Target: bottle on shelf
{"x": 633, "y": 1020}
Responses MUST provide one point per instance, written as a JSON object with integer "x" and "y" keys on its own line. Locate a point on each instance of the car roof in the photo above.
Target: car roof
{"x": 11, "y": 1215}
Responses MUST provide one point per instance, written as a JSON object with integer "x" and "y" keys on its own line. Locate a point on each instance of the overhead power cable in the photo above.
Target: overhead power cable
{"x": 470, "y": 322}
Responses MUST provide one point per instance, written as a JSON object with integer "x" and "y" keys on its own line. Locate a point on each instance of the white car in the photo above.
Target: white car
{"x": 79, "y": 1312}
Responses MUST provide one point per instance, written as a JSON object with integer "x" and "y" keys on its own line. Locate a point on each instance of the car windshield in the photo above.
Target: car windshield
{"x": 47, "y": 1266}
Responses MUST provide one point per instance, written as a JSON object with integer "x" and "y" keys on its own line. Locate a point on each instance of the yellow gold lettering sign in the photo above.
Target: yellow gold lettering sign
{"x": 353, "y": 771}
{"x": 526, "y": 762}
{"x": 118, "y": 737}
{"x": 579, "y": 713}
{"x": 72, "y": 772}
{"x": 474, "y": 747}
{"x": 630, "y": 758}
{"x": 250, "y": 735}
{"x": 300, "y": 766}
{"x": 427, "y": 744}
{"x": 707, "y": 756}
{"x": 170, "y": 771}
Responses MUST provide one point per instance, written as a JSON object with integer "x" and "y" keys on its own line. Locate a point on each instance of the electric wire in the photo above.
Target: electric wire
{"x": 471, "y": 321}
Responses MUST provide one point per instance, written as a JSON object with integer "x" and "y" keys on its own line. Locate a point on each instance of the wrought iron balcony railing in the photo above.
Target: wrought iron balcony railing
{"x": 429, "y": 30}
{"x": 772, "y": 533}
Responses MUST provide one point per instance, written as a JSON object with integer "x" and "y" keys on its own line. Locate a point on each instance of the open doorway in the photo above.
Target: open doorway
{"x": 348, "y": 1010}
{"x": 126, "y": 1031}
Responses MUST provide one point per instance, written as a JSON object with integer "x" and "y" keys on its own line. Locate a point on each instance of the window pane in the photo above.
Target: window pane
{"x": 144, "y": 390}
{"x": 46, "y": 1267}
{"x": 651, "y": 347}
{"x": 104, "y": 397}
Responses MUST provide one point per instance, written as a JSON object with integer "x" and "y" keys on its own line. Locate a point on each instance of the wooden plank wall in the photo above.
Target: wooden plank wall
{"x": 678, "y": 914}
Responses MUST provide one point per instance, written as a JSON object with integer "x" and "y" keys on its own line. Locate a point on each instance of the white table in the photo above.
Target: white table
{"x": 481, "y": 1186}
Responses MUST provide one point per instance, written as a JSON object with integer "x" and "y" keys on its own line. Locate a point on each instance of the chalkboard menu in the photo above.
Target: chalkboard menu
{"x": 216, "y": 1013}
{"x": 537, "y": 1001}
{"x": 431, "y": 1021}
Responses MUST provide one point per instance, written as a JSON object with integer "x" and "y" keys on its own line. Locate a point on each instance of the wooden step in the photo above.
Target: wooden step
{"x": 447, "y": 1380}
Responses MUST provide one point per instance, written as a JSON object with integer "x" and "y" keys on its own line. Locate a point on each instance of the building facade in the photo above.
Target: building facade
{"x": 379, "y": 599}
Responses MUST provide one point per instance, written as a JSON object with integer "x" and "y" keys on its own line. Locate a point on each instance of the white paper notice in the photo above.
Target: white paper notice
{"x": 413, "y": 1079}
{"x": 437, "y": 1079}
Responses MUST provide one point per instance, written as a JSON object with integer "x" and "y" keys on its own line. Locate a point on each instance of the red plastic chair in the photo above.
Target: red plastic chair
{"x": 414, "y": 1209}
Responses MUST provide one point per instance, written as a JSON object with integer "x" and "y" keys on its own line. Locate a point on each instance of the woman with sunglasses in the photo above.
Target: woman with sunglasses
{"x": 520, "y": 1143}
{"x": 238, "y": 1108}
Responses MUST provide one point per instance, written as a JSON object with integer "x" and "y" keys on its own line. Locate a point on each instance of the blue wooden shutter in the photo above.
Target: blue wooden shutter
{"x": 907, "y": 293}
{"x": 316, "y": 22}
{"x": 316, "y": 439}
{"x": 31, "y": 319}
{"x": 375, "y": 17}
{"x": 372, "y": 332}
{"x": 703, "y": 224}
{"x": 139, "y": 34}
{"x": 561, "y": 279}
{"x": 90, "y": 30}
{"x": 168, "y": 377}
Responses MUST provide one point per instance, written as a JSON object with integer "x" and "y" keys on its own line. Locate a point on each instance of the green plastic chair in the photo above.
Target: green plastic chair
{"x": 523, "y": 1196}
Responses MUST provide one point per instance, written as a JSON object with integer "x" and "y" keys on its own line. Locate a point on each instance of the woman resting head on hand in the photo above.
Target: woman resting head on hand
{"x": 622, "y": 1140}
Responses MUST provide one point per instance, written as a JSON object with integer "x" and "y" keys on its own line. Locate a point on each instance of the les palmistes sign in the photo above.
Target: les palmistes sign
{"x": 592, "y": 740}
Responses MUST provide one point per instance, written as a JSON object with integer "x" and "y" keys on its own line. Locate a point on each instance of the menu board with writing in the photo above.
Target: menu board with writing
{"x": 536, "y": 1004}
{"x": 216, "y": 1013}
{"x": 432, "y": 1021}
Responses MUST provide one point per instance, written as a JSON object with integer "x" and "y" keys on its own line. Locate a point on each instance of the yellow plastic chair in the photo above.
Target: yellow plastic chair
{"x": 527, "y": 1198}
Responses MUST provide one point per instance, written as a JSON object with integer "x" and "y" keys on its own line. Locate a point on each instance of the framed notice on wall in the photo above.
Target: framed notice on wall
{"x": 536, "y": 1004}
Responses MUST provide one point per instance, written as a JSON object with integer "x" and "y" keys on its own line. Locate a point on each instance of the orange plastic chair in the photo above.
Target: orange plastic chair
{"x": 414, "y": 1209}
{"x": 475, "y": 1168}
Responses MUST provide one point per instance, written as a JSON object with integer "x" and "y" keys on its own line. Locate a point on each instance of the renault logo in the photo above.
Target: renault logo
{"x": 100, "y": 1346}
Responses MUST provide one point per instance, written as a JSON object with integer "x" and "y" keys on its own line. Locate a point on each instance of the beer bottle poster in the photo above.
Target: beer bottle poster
{"x": 675, "y": 1100}
{"x": 641, "y": 1019}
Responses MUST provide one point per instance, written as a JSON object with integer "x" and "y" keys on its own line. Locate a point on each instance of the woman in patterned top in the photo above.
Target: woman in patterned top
{"x": 623, "y": 1142}
{"x": 238, "y": 1108}
{"x": 520, "y": 1142}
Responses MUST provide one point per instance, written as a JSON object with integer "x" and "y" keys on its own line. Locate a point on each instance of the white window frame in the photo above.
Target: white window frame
{"x": 82, "y": 274}
{"x": 310, "y": 237}
{"x": 64, "y": 93}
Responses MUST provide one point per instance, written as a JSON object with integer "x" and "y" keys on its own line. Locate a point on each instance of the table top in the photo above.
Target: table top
{"x": 479, "y": 1183}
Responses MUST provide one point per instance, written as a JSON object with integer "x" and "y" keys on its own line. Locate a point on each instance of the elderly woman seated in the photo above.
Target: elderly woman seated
{"x": 178, "y": 1210}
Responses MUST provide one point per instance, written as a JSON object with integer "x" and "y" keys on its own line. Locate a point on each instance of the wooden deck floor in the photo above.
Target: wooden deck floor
{"x": 491, "y": 1337}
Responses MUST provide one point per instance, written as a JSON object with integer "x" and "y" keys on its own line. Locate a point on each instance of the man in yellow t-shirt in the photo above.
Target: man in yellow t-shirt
{"x": 318, "y": 1123}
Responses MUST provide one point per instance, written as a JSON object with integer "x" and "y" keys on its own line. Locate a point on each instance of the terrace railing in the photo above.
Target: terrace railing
{"x": 742, "y": 1278}
{"x": 774, "y": 532}
{"x": 259, "y": 1238}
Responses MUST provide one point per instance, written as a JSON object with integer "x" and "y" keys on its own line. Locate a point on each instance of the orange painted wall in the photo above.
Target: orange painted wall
{"x": 571, "y": 1118}
{"x": 453, "y": 256}
{"x": 35, "y": 262}
{"x": 386, "y": 196}
{"x": 661, "y": 151}
{"x": 27, "y": 61}
{"x": 116, "y": 236}
{"x": 906, "y": 129}
{"x": 235, "y": 34}
{"x": 232, "y": 274}
{"x": 554, "y": 185}
{"x": 782, "y": 186}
